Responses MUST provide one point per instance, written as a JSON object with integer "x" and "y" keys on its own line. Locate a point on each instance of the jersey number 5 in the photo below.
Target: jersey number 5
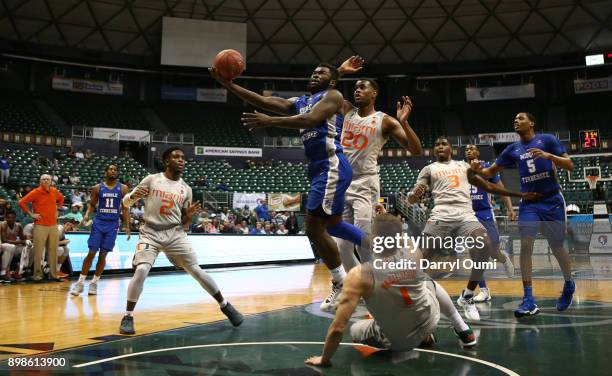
{"x": 358, "y": 142}
{"x": 168, "y": 204}
{"x": 531, "y": 166}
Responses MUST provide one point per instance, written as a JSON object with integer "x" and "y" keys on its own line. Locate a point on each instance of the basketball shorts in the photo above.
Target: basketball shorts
{"x": 546, "y": 217}
{"x": 360, "y": 198}
{"x": 173, "y": 242}
{"x": 103, "y": 236}
{"x": 412, "y": 332}
{"x": 486, "y": 218}
{"x": 329, "y": 180}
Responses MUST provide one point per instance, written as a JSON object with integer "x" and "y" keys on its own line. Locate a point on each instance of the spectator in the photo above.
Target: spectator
{"x": 74, "y": 178}
{"x": 77, "y": 197}
{"x": 292, "y": 224}
{"x": 27, "y": 189}
{"x": 136, "y": 211}
{"x": 222, "y": 186}
{"x": 89, "y": 154}
{"x": 71, "y": 153}
{"x": 404, "y": 224}
{"x": 244, "y": 228}
{"x": 79, "y": 154}
{"x": 262, "y": 211}
{"x": 201, "y": 182}
{"x": 45, "y": 201}
{"x": 75, "y": 215}
{"x": 246, "y": 213}
{"x": 5, "y": 169}
{"x": 281, "y": 230}
{"x": 257, "y": 230}
{"x": 19, "y": 193}
{"x": 65, "y": 178}
{"x": 224, "y": 214}
{"x": 268, "y": 229}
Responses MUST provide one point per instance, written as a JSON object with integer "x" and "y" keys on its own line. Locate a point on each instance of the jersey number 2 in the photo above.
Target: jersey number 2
{"x": 168, "y": 204}
{"x": 351, "y": 140}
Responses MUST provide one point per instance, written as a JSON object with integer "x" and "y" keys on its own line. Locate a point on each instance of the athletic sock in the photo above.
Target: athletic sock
{"x": 95, "y": 279}
{"x": 527, "y": 291}
{"x": 82, "y": 278}
{"x": 458, "y": 322}
{"x": 338, "y": 274}
{"x": 482, "y": 284}
{"x": 222, "y": 303}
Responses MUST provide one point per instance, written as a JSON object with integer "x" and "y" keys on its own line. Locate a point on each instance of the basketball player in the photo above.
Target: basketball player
{"x": 537, "y": 157}
{"x": 405, "y": 303}
{"x": 12, "y": 243}
{"x": 106, "y": 197}
{"x": 481, "y": 203}
{"x": 364, "y": 133}
{"x": 450, "y": 184}
{"x": 319, "y": 116}
{"x": 168, "y": 208}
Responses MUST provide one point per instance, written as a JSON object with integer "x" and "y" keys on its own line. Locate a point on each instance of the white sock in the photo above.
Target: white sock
{"x": 223, "y": 303}
{"x": 338, "y": 274}
{"x": 467, "y": 292}
{"x": 129, "y": 313}
{"x": 59, "y": 267}
{"x": 82, "y": 278}
{"x": 458, "y": 322}
{"x": 95, "y": 278}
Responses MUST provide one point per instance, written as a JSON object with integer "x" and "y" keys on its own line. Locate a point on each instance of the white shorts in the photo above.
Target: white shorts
{"x": 173, "y": 242}
{"x": 361, "y": 196}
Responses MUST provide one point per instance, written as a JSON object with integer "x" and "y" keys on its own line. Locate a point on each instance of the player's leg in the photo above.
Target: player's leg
{"x": 7, "y": 251}
{"x": 369, "y": 333}
{"x": 473, "y": 229}
{"x": 529, "y": 224}
{"x": 346, "y": 248}
{"x": 107, "y": 243}
{"x": 447, "y": 308}
{"x": 554, "y": 230}
{"x": 181, "y": 254}
{"x": 144, "y": 258}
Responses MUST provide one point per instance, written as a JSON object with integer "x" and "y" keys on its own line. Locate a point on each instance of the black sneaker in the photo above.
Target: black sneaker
{"x": 232, "y": 314}
{"x": 127, "y": 325}
{"x": 5, "y": 278}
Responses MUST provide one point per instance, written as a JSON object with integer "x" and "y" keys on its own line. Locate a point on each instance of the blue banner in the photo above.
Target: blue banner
{"x": 179, "y": 93}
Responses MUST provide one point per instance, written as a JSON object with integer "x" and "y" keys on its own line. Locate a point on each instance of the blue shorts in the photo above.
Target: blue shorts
{"x": 486, "y": 218}
{"x": 546, "y": 216}
{"x": 103, "y": 236}
{"x": 329, "y": 180}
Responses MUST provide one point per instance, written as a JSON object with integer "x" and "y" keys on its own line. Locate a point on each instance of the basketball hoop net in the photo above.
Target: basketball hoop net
{"x": 592, "y": 179}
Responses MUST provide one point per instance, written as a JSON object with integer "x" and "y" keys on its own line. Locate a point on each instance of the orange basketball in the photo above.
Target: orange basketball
{"x": 229, "y": 64}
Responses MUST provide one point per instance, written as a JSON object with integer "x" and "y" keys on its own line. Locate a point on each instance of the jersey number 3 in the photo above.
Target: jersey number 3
{"x": 454, "y": 181}
{"x": 168, "y": 204}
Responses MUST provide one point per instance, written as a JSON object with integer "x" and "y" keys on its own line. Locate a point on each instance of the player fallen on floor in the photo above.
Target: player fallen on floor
{"x": 405, "y": 305}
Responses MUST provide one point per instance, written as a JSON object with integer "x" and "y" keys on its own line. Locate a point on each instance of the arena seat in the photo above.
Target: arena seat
{"x": 20, "y": 115}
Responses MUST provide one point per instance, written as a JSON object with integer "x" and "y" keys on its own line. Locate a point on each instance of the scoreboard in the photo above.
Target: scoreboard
{"x": 589, "y": 139}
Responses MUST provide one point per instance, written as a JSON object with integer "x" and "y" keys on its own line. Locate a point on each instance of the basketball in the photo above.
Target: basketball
{"x": 229, "y": 64}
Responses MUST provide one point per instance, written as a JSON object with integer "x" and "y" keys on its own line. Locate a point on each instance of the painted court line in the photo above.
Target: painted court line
{"x": 476, "y": 360}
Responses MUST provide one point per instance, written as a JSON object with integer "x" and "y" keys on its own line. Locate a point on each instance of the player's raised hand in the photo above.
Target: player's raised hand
{"x": 317, "y": 361}
{"x": 140, "y": 192}
{"x": 531, "y": 196}
{"x": 476, "y": 166}
{"x": 214, "y": 74}
{"x": 255, "y": 120}
{"x": 539, "y": 153}
{"x": 404, "y": 109}
{"x": 512, "y": 215}
{"x": 194, "y": 208}
{"x": 351, "y": 65}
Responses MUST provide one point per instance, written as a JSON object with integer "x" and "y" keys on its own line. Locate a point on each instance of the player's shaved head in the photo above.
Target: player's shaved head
{"x": 443, "y": 148}
{"x": 471, "y": 152}
{"x": 325, "y": 76}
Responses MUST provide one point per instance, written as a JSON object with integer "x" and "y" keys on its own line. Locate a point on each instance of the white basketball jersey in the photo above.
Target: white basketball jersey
{"x": 450, "y": 189}
{"x": 362, "y": 140}
{"x": 165, "y": 200}
{"x": 399, "y": 302}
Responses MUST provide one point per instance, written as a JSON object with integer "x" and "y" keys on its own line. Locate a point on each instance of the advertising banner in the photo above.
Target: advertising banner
{"x": 224, "y": 151}
{"x": 493, "y": 93}
{"x": 87, "y": 86}
{"x": 593, "y": 85}
{"x": 249, "y": 199}
{"x": 284, "y": 201}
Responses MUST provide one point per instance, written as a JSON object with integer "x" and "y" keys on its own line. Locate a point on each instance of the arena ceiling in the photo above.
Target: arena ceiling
{"x": 309, "y": 31}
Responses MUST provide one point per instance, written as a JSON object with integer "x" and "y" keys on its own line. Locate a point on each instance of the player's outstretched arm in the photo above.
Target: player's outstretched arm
{"x": 487, "y": 172}
{"x": 353, "y": 288}
{"x": 125, "y": 212}
{"x": 494, "y": 188}
{"x": 563, "y": 161}
{"x": 507, "y": 203}
{"x": 141, "y": 191}
{"x": 277, "y": 105}
{"x": 331, "y": 103}
{"x": 401, "y": 130}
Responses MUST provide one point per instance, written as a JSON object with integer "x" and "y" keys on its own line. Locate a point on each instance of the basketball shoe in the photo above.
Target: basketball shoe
{"x": 527, "y": 308}
{"x": 93, "y": 289}
{"x": 331, "y": 302}
{"x": 127, "y": 325}
{"x": 565, "y": 300}
{"x": 77, "y": 289}
{"x": 483, "y": 296}
{"x": 469, "y": 306}
{"x": 232, "y": 314}
{"x": 467, "y": 338}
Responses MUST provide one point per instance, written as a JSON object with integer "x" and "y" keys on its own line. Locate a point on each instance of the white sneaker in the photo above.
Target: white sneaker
{"x": 77, "y": 289}
{"x": 469, "y": 307}
{"x": 331, "y": 302}
{"x": 483, "y": 296}
{"x": 93, "y": 288}
{"x": 508, "y": 266}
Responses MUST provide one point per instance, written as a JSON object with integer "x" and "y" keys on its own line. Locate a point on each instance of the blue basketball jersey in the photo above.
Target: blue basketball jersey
{"x": 480, "y": 199}
{"x": 323, "y": 141}
{"x": 536, "y": 175}
{"x": 109, "y": 203}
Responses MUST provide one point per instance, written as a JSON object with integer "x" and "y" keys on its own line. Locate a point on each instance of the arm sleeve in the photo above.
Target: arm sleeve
{"x": 505, "y": 159}
{"x": 24, "y": 201}
{"x": 424, "y": 176}
{"x": 60, "y": 198}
